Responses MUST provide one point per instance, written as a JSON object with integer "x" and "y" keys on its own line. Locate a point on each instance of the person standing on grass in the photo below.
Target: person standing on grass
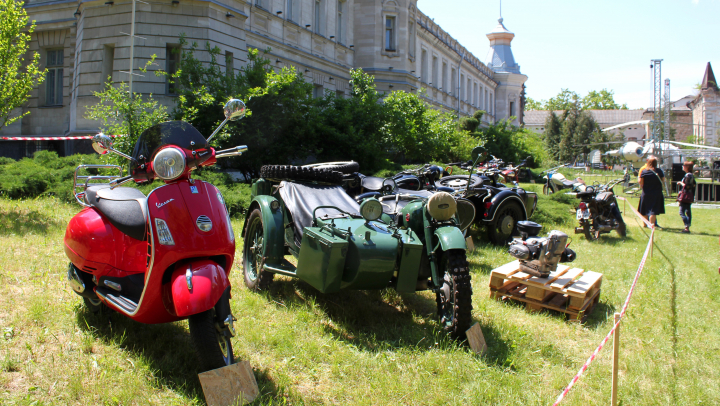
{"x": 652, "y": 202}
{"x": 688, "y": 186}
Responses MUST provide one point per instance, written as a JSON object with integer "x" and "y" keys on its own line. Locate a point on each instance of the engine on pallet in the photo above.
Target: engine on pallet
{"x": 540, "y": 255}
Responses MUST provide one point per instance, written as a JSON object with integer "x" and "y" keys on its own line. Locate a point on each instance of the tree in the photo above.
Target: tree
{"x": 124, "y": 114}
{"x": 532, "y": 104}
{"x": 577, "y": 129}
{"x": 602, "y": 100}
{"x": 552, "y": 135}
{"x": 565, "y": 100}
{"x": 16, "y": 80}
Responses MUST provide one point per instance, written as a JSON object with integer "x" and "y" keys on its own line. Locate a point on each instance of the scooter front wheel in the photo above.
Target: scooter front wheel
{"x": 256, "y": 278}
{"x": 213, "y": 347}
{"x": 95, "y": 306}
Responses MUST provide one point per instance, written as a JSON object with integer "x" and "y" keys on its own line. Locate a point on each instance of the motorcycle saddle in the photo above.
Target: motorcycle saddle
{"x": 568, "y": 183}
{"x": 124, "y": 207}
{"x": 372, "y": 183}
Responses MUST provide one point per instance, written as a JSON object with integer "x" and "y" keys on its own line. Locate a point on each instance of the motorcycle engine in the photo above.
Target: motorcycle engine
{"x": 539, "y": 256}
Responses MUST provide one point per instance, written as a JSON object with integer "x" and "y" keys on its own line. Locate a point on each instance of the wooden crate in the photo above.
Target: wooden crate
{"x": 569, "y": 290}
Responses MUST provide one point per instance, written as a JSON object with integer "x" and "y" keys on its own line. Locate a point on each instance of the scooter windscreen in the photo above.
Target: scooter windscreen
{"x": 177, "y": 133}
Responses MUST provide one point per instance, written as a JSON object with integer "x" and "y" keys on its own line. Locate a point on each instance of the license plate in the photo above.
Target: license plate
{"x": 583, "y": 214}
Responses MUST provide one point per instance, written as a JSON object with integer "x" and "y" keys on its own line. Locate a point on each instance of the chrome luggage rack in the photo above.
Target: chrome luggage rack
{"x": 80, "y": 195}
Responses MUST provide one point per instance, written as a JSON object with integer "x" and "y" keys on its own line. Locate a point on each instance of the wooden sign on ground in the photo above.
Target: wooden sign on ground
{"x": 229, "y": 385}
{"x": 569, "y": 290}
{"x": 476, "y": 340}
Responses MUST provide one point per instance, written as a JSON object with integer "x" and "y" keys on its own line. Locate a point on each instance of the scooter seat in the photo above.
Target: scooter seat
{"x": 568, "y": 183}
{"x": 124, "y": 207}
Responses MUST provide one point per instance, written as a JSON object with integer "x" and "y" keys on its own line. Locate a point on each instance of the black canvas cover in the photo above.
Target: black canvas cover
{"x": 301, "y": 199}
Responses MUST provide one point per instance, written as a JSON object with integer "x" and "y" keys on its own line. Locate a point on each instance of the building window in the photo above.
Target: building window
{"x": 435, "y": 80}
{"x": 462, "y": 88}
{"x": 54, "y": 78}
{"x": 468, "y": 95}
{"x": 511, "y": 112}
{"x": 172, "y": 62}
{"x": 319, "y": 17}
{"x": 444, "y": 78}
{"x": 340, "y": 23}
{"x": 424, "y": 66}
{"x": 453, "y": 81}
{"x": 476, "y": 99}
{"x": 486, "y": 105}
{"x": 108, "y": 62}
{"x": 260, "y": 3}
{"x": 411, "y": 39}
{"x": 389, "y": 33}
{"x": 229, "y": 64}
{"x": 289, "y": 10}
{"x": 318, "y": 91}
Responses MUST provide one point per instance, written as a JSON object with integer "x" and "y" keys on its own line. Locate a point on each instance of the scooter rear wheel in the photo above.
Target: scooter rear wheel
{"x": 95, "y": 306}
{"x": 213, "y": 347}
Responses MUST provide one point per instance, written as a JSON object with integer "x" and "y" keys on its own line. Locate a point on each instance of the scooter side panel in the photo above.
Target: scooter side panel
{"x": 89, "y": 237}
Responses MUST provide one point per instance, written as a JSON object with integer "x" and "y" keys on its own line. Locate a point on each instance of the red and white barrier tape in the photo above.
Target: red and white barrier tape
{"x": 622, "y": 314}
{"x": 636, "y": 213}
{"x": 76, "y": 137}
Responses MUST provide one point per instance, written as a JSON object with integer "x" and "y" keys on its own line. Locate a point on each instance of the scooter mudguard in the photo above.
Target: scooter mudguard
{"x": 451, "y": 238}
{"x": 197, "y": 286}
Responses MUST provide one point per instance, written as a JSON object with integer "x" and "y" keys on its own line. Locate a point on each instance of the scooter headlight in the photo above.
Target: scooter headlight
{"x": 169, "y": 163}
{"x": 371, "y": 209}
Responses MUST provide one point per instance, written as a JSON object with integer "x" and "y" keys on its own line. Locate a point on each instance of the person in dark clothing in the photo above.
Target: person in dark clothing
{"x": 652, "y": 201}
{"x": 688, "y": 185}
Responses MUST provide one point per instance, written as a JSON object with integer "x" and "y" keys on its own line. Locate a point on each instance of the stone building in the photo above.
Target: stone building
{"x": 83, "y": 43}
{"x": 706, "y": 110}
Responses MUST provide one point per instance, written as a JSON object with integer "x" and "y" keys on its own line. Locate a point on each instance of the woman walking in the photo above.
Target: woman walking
{"x": 652, "y": 201}
{"x": 686, "y": 197}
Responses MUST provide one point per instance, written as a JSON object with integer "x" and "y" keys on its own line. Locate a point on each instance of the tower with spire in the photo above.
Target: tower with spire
{"x": 510, "y": 93}
{"x": 706, "y": 110}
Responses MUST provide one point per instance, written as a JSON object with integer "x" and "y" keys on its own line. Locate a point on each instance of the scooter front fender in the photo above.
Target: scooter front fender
{"x": 197, "y": 286}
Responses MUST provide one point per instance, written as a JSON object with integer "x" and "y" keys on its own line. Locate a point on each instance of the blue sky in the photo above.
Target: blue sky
{"x": 583, "y": 45}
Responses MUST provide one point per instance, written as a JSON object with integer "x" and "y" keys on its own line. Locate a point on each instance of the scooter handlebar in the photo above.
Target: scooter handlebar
{"x": 236, "y": 151}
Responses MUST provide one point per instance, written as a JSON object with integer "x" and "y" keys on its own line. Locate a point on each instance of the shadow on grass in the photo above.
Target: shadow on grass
{"x": 32, "y": 222}
{"x": 166, "y": 348}
{"x": 371, "y": 320}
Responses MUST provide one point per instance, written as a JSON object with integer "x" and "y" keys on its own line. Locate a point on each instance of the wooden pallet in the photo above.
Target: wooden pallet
{"x": 569, "y": 290}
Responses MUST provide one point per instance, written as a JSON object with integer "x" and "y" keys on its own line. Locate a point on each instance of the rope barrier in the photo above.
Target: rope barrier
{"x": 622, "y": 312}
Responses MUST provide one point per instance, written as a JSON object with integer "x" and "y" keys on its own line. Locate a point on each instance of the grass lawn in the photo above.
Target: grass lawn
{"x": 368, "y": 347}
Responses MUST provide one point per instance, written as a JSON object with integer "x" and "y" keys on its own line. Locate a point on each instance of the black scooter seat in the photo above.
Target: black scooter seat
{"x": 124, "y": 207}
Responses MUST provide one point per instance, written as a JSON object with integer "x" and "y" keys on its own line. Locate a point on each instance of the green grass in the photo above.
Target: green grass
{"x": 369, "y": 347}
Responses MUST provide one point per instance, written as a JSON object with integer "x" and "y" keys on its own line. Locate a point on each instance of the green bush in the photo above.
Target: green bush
{"x": 46, "y": 174}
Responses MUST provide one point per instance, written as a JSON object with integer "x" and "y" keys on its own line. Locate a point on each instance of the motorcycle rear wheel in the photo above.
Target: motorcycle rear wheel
{"x": 590, "y": 233}
{"x": 454, "y": 300}
{"x": 256, "y": 278}
{"x": 213, "y": 347}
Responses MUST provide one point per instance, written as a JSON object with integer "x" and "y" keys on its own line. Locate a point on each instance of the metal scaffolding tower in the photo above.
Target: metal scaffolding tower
{"x": 668, "y": 106}
{"x": 657, "y": 97}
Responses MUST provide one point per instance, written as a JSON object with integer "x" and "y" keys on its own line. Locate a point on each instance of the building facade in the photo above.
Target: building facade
{"x": 83, "y": 44}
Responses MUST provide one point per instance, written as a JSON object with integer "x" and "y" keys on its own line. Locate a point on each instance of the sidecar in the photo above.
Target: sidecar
{"x": 340, "y": 244}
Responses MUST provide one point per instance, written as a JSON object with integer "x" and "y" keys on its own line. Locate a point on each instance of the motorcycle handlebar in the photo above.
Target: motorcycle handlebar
{"x": 235, "y": 151}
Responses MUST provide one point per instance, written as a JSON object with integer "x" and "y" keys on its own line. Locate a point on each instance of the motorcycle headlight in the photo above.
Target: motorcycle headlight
{"x": 371, "y": 209}
{"x": 169, "y": 163}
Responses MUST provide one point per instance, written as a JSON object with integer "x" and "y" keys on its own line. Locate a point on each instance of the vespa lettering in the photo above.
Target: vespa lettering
{"x": 159, "y": 205}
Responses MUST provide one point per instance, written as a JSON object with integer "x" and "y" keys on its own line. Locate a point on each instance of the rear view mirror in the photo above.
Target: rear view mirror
{"x": 479, "y": 154}
{"x": 234, "y": 109}
{"x": 101, "y": 143}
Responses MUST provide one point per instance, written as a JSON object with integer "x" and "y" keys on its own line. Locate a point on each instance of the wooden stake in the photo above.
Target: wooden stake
{"x": 616, "y": 355}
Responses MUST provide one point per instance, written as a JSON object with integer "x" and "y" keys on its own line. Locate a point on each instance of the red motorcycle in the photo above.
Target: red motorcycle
{"x": 166, "y": 256}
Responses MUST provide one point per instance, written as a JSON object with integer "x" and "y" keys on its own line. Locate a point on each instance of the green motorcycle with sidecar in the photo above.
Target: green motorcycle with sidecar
{"x": 340, "y": 244}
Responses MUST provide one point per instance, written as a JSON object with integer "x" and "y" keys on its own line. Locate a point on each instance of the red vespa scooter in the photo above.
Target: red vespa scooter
{"x": 164, "y": 257}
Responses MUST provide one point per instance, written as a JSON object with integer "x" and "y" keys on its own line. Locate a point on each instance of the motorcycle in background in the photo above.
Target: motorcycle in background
{"x": 556, "y": 181}
{"x": 597, "y": 211}
{"x": 166, "y": 256}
